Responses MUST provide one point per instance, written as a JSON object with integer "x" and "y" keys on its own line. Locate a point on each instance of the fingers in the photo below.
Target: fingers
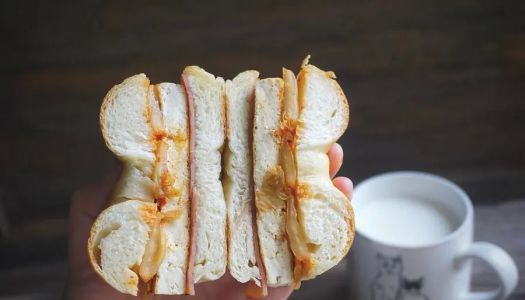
{"x": 335, "y": 155}
{"x": 85, "y": 206}
{"x": 227, "y": 287}
{"x": 91, "y": 199}
{"x": 345, "y": 185}
{"x": 279, "y": 293}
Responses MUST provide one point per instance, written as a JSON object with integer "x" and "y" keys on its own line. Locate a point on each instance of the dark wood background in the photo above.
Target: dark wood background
{"x": 436, "y": 86}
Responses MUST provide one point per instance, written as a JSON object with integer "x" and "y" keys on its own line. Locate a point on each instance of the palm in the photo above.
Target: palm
{"x": 84, "y": 284}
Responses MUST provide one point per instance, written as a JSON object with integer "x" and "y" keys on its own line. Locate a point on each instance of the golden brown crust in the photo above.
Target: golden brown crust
{"x": 351, "y": 224}
{"x": 93, "y": 256}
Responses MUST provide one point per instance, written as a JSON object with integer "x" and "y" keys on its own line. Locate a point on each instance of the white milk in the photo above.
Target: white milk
{"x": 404, "y": 221}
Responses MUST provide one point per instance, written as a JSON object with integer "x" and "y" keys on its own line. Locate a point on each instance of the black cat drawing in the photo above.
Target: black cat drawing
{"x": 390, "y": 284}
{"x": 411, "y": 289}
{"x": 387, "y": 283}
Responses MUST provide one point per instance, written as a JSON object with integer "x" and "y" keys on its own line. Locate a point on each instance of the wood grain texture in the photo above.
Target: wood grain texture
{"x": 436, "y": 86}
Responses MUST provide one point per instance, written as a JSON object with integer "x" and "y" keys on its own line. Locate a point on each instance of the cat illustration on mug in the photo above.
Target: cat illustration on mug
{"x": 389, "y": 283}
{"x": 411, "y": 289}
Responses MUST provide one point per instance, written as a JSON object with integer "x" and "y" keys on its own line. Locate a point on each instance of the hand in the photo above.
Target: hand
{"x": 83, "y": 283}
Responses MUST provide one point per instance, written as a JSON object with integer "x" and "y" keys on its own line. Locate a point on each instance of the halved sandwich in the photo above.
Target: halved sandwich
{"x": 143, "y": 235}
{"x": 169, "y": 138}
{"x": 305, "y": 224}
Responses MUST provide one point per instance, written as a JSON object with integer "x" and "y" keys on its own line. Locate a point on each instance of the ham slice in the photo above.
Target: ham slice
{"x": 254, "y": 291}
{"x": 154, "y": 252}
{"x": 190, "y": 288}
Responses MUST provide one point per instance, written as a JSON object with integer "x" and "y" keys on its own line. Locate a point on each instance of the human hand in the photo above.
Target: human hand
{"x": 83, "y": 283}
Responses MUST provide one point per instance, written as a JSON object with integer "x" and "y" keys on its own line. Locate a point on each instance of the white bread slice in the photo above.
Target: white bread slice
{"x": 171, "y": 275}
{"x": 205, "y": 96}
{"x": 268, "y": 181}
{"x": 126, "y": 131}
{"x": 324, "y": 211}
{"x": 127, "y": 137}
{"x": 237, "y": 182}
{"x": 156, "y": 115}
{"x": 117, "y": 241}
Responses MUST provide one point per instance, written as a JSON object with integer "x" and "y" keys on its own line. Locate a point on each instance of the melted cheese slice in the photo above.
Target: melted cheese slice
{"x": 295, "y": 232}
{"x": 163, "y": 189}
{"x": 154, "y": 252}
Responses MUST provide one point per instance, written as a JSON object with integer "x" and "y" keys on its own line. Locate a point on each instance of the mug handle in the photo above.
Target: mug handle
{"x": 500, "y": 261}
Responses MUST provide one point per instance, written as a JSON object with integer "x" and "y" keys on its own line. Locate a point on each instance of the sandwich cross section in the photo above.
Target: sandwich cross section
{"x": 222, "y": 174}
{"x": 305, "y": 224}
{"x": 145, "y": 238}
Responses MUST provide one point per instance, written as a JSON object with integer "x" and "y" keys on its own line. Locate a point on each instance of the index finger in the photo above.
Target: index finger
{"x": 335, "y": 155}
{"x": 92, "y": 199}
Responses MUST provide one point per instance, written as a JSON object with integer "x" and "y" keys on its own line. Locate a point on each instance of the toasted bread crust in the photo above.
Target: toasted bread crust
{"x": 351, "y": 224}
{"x": 93, "y": 260}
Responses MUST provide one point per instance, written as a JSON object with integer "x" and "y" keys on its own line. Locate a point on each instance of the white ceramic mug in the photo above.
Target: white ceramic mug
{"x": 439, "y": 269}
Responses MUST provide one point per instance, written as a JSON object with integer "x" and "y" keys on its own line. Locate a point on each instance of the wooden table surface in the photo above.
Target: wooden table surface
{"x": 435, "y": 86}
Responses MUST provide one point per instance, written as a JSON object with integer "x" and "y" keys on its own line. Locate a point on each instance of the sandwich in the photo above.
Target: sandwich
{"x": 222, "y": 175}
{"x": 305, "y": 224}
{"x": 144, "y": 233}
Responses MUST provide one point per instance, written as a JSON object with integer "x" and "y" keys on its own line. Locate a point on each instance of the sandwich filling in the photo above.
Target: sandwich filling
{"x": 163, "y": 186}
{"x": 254, "y": 290}
{"x": 192, "y": 248}
{"x": 288, "y": 136}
